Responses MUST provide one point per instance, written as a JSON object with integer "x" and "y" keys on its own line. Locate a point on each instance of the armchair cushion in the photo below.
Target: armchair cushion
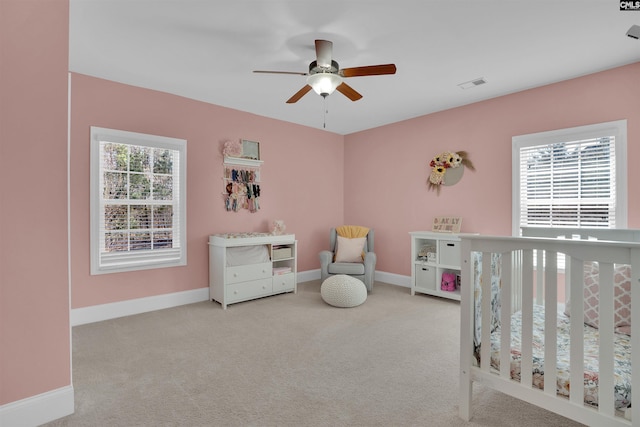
{"x": 351, "y": 231}
{"x": 351, "y": 268}
{"x": 349, "y": 250}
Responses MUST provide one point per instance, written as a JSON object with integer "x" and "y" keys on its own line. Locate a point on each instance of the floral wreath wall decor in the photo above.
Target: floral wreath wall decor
{"x": 447, "y": 169}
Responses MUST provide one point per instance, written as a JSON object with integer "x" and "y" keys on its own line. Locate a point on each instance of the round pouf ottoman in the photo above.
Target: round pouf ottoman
{"x": 343, "y": 291}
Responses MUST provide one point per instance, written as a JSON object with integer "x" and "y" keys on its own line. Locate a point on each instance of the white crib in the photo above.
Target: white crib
{"x": 522, "y": 276}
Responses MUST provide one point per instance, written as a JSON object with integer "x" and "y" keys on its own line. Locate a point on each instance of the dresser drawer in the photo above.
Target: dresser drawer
{"x": 283, "y": 282}
{"x": 248, "y": 290}
{"x": 243, "y": 273}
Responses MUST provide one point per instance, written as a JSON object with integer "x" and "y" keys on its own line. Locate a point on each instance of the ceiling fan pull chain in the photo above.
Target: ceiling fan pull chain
{"x": 324, "y": 112}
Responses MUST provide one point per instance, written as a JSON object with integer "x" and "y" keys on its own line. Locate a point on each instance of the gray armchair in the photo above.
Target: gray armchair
{"x": 364, "y": 270}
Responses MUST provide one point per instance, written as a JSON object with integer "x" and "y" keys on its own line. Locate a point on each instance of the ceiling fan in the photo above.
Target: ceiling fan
{"x": 325, "y": 75}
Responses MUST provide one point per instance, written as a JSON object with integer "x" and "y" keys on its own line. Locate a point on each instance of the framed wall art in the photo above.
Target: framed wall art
{"x": 250, "y": 149}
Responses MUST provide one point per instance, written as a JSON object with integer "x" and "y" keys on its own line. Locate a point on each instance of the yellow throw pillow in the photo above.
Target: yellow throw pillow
{"x": 349, "y": 250}
{"x": 352, "y": 231}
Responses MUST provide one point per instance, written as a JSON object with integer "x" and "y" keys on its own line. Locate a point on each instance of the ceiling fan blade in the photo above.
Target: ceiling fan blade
{"x": 348, "y": 91}
{"x": 370, "y": 70}
{"x": 324, "y": 53}
{"x": 281, "y": 72}
{"x": 299, "y": 94}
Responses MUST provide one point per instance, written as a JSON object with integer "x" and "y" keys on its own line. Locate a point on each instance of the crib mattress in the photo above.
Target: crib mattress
{"x": 622, "y": 356}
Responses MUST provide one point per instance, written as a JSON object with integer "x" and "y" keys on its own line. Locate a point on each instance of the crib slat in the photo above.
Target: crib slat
{"x": 551, "y": 323}
{"x": 526, "y": 365}
{"x": 605, "y": 346}
{"x": 576, "y": 335}
{"x": 485, "y": 348}
{"x": 505, "y": 317}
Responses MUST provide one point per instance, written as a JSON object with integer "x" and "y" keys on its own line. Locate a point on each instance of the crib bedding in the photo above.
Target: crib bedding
{"x": 622, "y": 358}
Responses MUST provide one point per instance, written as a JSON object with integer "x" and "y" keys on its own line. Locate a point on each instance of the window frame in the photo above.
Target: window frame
{"x": 103, "y": 262}
{"x": 617, "y": 128}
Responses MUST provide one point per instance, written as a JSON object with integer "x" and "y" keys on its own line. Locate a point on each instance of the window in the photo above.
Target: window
{"x": 571, "y": 177}
{"x": 138, "y": 201}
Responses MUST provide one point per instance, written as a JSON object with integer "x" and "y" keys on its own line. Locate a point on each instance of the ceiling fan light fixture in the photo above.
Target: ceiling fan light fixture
{"x": 324, "y": 84}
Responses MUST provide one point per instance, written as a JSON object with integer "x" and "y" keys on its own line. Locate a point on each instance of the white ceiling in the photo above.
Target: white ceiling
{"x": 207, "y": 50}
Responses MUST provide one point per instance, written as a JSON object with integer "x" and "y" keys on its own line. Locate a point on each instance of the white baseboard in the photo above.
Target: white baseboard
{"x": 98, "y": 313}
{"x": 309, "y": 275}
{"x": 393, "y": 279}
{"x": 39, "y": 409}
{"x": 381, "y": 276}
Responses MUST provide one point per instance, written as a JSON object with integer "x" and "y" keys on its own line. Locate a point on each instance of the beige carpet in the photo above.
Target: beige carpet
{"x": 288, "y": 360}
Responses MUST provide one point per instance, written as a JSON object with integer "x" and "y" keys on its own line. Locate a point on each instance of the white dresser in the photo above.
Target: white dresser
{"x": 252, "y": 278}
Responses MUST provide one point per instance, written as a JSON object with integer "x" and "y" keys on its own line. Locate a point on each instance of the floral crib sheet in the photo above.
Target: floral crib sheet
{"x": 622, "y": 358}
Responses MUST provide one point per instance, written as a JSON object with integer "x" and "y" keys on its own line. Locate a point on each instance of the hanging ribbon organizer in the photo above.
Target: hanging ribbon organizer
{"x": 241, "y": 184}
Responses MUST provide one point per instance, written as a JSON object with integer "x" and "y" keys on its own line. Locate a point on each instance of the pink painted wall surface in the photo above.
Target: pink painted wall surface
{"x": 387, "y": 167}
{"x": 34, "y": 287}
{"x": 302, "y": 178}
{"x": 311, "y": 179}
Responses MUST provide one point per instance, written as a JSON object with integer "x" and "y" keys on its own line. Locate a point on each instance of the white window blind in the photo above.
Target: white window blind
{"x": 571, "y": 177}
{"x": 138, "y": 201}
{"x": 569, "y": 184}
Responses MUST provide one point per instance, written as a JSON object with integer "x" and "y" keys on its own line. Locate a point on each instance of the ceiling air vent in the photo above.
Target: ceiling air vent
{"x": 472, "y": 83}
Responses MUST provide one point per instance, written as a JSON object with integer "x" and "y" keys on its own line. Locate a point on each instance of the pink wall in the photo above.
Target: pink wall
{"x": 34, "y": 287}
{"x": 302, "y": 179}
{"x": 391, "y": 162}
{"x": 305, "y": 181}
